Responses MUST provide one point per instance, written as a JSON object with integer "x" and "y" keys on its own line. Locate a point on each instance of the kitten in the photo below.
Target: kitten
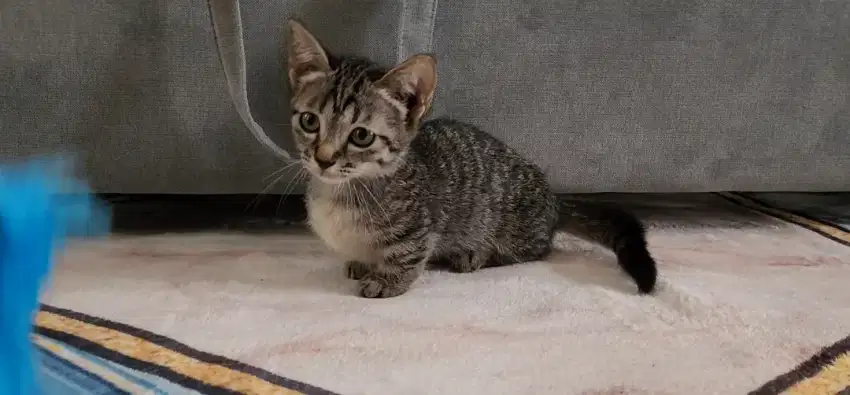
{"x": 392, "y": 193}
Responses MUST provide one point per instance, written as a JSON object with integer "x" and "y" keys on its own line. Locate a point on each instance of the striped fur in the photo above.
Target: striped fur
{"x": 441, "y": 191}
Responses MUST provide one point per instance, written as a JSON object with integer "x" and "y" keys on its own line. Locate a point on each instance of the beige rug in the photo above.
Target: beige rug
{"x": 744, "y": 298}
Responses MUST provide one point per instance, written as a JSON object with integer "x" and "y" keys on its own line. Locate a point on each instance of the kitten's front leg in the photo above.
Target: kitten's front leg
{"x": 403, "y": 263}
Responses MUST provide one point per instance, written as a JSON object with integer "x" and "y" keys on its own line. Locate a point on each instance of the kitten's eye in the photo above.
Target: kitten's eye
{"x": 361, "y": 137}
{"x": 309, "y": 122}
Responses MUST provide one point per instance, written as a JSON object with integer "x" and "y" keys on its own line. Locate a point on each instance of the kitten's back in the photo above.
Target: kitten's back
{"x": 482, "y": 192}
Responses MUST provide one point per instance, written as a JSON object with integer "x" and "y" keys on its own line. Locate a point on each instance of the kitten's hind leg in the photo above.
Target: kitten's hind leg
{"x": 473, "y": 261}
{"x": 356, "y": 270}
{"x": 534, "y": 250}
{"x": 470, "y": 261}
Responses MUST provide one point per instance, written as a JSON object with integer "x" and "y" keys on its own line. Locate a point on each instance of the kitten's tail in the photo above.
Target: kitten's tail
{"x": 618, "y": 230}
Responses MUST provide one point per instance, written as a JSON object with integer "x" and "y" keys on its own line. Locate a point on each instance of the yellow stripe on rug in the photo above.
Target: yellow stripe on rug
{"x": 832, "y": 379}
{"x": 140, "y": 349}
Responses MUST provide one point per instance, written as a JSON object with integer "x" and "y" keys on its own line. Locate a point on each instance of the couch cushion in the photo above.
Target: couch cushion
{"x": 656, "y": 96}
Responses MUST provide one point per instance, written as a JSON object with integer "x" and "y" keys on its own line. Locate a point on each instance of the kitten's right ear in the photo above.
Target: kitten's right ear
{"x": 305, "y": 56}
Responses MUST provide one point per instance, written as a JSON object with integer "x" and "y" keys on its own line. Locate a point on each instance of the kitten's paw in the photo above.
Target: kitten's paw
{"x": 356, "y": 270}
{"x": 373, "y": 286}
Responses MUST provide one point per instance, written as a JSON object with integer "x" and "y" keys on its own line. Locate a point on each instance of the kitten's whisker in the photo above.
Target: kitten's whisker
{"x": 350, "y": 197}
{"x": 378, "y": 203}
{"x": 282, "y": 169}
{"x": 362, "y": 203}
{"x": 263, "y": 192}
{"x": 289, "y": 187}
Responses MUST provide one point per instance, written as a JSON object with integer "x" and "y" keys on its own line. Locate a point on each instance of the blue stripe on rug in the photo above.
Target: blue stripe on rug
{"x": 68, "y": 370}
{"x": 59, "y": 376}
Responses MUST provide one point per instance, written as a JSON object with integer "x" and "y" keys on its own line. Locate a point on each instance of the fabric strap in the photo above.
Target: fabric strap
{"x": 227, "y": 27}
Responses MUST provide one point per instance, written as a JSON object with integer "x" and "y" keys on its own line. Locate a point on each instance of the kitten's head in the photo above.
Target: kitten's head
{"x": 352, "y": 119}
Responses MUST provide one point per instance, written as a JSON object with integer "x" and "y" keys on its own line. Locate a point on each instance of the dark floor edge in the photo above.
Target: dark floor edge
{"x": 785, "y": 215}
{"x": 798, "y": 213}
{"x": 184, "y": 349}
{"x": 805, "y": 370}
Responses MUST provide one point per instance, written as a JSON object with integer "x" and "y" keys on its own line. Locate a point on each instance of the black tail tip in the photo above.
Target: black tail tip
{"x": 641, "y": 268}
{"x": 646, "y": 285}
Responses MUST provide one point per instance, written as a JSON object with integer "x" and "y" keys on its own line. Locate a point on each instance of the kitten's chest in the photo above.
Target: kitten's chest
{"x": 341, "y": 229}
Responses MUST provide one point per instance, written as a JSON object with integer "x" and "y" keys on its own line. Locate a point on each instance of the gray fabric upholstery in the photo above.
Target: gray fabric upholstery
{"x": 657, "y": 95}
{"x": 605, "y": 95}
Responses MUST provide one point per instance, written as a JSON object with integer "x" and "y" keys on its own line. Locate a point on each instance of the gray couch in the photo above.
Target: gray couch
{"x": 660, "y": 96}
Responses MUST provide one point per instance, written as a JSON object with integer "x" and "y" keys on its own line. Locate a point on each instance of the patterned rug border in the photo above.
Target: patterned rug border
{"x": 814, "y": 372}
{"x": 821, "y": 227}
{"x": 156, "y": 354}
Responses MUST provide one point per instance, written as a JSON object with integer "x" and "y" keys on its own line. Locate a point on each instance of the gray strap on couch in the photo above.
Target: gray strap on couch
{"x": 227, "y": 27}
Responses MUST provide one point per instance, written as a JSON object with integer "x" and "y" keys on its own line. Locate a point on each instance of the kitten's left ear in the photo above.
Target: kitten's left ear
{"x": 412, "y": 85}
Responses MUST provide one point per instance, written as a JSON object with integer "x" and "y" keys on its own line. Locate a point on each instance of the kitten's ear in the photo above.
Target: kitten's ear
{"x": 305, "y": 55}
{"x": 412, "y": 85}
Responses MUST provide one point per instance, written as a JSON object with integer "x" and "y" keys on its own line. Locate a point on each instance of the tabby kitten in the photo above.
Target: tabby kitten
{"x": 392, "y": 193}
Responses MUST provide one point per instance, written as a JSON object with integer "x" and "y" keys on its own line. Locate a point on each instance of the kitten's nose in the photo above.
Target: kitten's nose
{"x": 324, "y": 164}
{"x": 324, "y": 156}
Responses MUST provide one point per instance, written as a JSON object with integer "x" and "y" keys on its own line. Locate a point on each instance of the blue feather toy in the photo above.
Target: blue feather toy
{"x": 40, "y": 206}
